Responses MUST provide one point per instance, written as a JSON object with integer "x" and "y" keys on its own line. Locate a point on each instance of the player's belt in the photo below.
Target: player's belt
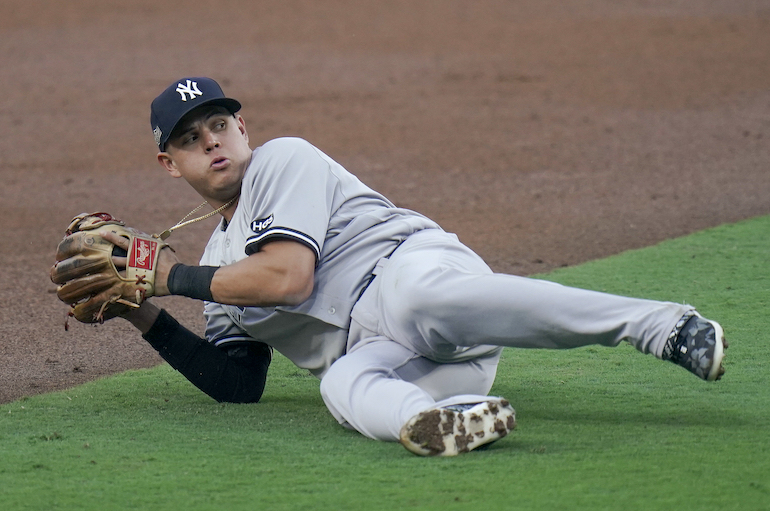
{"x": 369, "y": 278}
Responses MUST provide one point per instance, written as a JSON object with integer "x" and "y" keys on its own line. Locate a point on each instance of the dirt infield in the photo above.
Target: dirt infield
{"x": 544, "y": 133}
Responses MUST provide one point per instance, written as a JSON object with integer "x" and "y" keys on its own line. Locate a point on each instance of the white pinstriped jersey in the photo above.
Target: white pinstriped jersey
{"x": 291, "y": 190}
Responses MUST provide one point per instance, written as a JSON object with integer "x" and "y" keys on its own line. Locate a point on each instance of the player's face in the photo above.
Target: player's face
{"x": 210, "y": 150}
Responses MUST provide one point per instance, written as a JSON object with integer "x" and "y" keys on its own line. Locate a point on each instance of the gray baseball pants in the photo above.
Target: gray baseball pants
{"x": 430, "y": 328}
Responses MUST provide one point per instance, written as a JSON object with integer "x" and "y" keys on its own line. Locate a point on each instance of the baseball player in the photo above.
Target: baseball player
{"x": 402, "y": 323}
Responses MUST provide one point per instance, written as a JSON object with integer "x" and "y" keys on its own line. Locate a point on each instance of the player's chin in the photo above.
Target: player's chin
{"x": 225, "y": 190}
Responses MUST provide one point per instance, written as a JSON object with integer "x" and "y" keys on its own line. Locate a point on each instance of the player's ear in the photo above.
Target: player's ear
{"x": 167, "y": 163}
{"x": 242, "y": 126}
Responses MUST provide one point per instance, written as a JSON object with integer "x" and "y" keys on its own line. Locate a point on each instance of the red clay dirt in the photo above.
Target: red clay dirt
{"x": 544, "y": 133}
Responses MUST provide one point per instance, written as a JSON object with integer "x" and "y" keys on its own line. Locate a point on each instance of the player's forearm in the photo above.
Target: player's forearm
{"x": 256, "y": 282}
{"x": 282, "y": 273}
{"x": 237, "y": 376}
{"x": 234, "y": 286}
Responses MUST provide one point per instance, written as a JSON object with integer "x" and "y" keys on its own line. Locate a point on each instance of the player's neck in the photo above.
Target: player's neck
{"x": 229, "y": 208}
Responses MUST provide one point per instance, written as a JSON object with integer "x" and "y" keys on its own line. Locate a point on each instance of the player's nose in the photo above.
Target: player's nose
{"x": 210, "y": 140}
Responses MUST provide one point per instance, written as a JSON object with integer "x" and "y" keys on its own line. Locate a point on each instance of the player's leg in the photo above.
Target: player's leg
{"x": 459, "y": 422}
{"x": 362, "y": 391}
{"x": 444, "y": 382}
{"x": 438, "y": 295}
{"x": 380, "y": 385}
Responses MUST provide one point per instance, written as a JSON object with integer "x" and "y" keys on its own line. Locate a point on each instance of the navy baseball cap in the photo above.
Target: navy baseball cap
{"x": 179, "y": 99}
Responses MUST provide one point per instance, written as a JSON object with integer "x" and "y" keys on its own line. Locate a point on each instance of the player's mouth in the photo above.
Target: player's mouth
{"x": 220, "y": 163}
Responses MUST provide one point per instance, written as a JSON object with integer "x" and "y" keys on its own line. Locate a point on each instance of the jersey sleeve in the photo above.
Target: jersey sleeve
{"x": 221, "y": 330}
{"x": 291, "y": 195}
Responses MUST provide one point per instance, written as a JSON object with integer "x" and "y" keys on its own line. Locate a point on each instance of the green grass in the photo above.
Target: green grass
{"x": 599, "y": 428}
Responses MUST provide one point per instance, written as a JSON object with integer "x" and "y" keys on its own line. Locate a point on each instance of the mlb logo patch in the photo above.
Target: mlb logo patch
{"x": 262, "y": 224}
{"x": 142, "y": 254}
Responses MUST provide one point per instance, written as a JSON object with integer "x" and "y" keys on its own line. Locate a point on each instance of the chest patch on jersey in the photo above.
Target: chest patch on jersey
{"x": 262, "y": 224}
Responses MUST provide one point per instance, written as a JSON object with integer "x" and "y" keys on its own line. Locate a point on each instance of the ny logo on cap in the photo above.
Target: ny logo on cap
{"x": 191, "y": 88}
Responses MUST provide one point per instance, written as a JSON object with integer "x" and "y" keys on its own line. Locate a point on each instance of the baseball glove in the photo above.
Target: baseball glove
{"x": 88, "y": 279}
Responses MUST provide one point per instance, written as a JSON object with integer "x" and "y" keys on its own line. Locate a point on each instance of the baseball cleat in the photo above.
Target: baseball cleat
{"x": 699, "y": 346}
{"x": 451, "y": 430}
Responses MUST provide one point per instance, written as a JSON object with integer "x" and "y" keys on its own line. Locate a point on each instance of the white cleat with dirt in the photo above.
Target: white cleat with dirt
{"x": 454, "y": 429}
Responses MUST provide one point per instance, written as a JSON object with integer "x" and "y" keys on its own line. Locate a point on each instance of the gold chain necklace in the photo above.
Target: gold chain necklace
{"x": 165, "y": 234}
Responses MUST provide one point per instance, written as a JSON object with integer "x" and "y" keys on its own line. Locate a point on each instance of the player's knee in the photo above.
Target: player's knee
{"x": 344, "y": 384}
{"x": 328, "y": 383}
{"x": 338, "y": 380}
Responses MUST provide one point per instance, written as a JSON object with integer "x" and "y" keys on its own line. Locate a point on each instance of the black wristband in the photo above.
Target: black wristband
{"x": 191, "y": 281}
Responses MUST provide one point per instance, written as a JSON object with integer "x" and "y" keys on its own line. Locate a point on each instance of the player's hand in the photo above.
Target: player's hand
{"x": 93, "y": 273}
{"x": 166, "y": 260}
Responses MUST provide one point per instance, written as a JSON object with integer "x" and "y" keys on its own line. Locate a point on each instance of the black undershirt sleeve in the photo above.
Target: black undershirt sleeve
{"x": 235, "y": 375}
